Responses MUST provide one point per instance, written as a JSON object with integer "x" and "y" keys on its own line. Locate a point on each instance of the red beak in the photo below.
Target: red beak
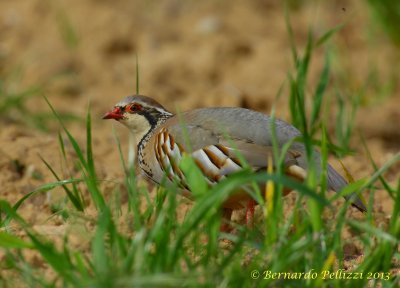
{"x": 116, "y": 114}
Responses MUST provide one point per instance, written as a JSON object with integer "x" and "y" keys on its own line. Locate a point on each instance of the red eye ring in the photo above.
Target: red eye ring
{"x": 133, "y": 107}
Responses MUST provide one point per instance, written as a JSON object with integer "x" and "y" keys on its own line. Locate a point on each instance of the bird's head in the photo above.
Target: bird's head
{"x": 139, "y": 113}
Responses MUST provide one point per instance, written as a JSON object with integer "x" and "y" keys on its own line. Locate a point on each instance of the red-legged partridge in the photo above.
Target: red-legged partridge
{"x": 216, "y": 135}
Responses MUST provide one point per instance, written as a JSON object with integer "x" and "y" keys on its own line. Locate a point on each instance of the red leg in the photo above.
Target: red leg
{"x": 250, "y": 212}
{"x": 226, "y": 218}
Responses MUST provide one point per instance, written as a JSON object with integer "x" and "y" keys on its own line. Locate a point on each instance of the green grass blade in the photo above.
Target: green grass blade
{"x": 10, "y": 213}
{"x": 194, "y": 176}
{"x": 372, "y": 231}
{"x": 101, "y": 260}
{"x": 373, "y": 178}
{"x": 76, "y": 201}
{"x": 382, "y": 180}
{"x": 87, "y": 164}
{"x": 319, "y": 93}
{"x": 324, "y": 38}
{"x": 10, "y": 241}
{"x": 91, "y": 179}
{"x": 57, "y": 260}
{"x": 44, "y": 188}
{"x": 75, "y": 144}
{"x": 89, "y": 151}
{"x": 291, "y": 36}
{"x": 137, "y": 74}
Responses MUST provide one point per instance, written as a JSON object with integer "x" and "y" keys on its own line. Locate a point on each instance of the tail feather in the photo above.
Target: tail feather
{"x": 336, "y": 182}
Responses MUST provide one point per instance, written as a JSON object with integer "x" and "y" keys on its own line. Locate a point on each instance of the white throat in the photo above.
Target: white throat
{"x": 138, "y": 125}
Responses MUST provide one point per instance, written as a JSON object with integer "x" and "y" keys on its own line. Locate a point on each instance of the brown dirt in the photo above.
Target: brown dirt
{"x": 191, "y": 54}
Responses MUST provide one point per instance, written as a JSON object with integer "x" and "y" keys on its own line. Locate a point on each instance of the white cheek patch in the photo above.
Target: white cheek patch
{"x": 138, "y": 124}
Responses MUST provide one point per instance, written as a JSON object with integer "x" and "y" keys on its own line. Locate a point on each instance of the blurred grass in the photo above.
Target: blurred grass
{"x": 14, "y": 104}
{"x": 387, "y": 12}
{"x": 157, "y": 249}
{"x": 66, "y": 29}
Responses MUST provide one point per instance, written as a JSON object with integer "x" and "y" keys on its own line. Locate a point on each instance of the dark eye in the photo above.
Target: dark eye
{"x": 133, "y": 107}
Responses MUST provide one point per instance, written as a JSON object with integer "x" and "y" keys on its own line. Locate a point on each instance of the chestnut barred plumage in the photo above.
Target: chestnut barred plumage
{"x": 216, "y": 136}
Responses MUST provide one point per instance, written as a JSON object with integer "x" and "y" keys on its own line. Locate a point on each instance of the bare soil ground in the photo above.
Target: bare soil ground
{"x": 191, "y": 54}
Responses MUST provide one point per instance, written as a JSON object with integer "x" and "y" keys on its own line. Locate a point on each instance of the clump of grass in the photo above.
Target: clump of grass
{"x": 311, "y": 121}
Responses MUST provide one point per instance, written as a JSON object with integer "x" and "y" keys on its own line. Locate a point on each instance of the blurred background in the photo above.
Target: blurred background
{"x": 190, "y": 54}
